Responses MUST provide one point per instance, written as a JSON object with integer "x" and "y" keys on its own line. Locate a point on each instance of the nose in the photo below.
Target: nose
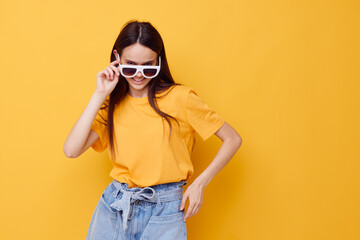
{"x": 139, "y": 74}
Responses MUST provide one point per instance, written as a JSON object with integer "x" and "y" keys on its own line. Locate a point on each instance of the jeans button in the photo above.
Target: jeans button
{"x": 137, "y": 202}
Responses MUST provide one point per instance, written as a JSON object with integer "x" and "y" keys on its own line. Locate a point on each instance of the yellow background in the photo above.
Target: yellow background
{"x": 284, "y": 74}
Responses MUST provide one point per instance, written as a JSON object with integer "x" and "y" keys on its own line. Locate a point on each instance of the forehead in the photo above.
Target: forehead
{"x": 138, "y": 53}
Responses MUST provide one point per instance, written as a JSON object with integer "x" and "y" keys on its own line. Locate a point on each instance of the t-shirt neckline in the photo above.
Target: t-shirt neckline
{"x": 136, "y": 99}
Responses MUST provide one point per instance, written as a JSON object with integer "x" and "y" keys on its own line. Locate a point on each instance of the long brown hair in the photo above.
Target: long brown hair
{"x": 145, "y": 34}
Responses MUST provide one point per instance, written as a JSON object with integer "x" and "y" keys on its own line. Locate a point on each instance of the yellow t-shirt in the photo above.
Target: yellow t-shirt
{"x": 144, "y": 154}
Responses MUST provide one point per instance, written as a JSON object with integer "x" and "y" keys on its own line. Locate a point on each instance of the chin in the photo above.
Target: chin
{"x": 138, "y": 87}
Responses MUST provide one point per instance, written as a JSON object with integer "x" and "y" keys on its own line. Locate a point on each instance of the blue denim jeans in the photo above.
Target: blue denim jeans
{"x": 153, "y": 212}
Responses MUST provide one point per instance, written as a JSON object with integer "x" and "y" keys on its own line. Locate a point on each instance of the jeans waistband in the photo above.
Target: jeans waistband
{"x": 157, "y": 194}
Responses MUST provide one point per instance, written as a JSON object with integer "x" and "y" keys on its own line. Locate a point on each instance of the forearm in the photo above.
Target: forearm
{"x": 226, "y": 151}
{"x": 80, "y": 131}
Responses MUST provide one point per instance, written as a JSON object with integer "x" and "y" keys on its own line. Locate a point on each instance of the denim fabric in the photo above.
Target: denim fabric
{"x": 139, "y": 213}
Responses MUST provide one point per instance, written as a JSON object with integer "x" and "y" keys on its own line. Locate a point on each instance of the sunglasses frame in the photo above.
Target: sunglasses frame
{"x": 139, "y": 68}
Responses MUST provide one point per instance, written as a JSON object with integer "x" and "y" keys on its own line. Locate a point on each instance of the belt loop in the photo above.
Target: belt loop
{"x": 158, "y": 199}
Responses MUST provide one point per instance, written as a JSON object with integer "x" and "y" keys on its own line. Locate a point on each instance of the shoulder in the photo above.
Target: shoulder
{"x": 177, "y": 96}
{"x": 182, "y": 91}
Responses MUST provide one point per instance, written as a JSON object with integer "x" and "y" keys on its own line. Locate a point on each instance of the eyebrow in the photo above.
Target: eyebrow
{"x": 128, "y": 60}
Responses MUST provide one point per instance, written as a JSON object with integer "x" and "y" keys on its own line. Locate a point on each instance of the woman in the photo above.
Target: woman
{"x": 148, "y": 122}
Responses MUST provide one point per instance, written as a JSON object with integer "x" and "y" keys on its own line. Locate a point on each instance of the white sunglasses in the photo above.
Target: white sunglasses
{"x": 130, "y": 71}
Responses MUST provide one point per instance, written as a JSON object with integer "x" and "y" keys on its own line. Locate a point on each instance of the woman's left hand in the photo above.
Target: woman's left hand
{"x": 195, "y": 194}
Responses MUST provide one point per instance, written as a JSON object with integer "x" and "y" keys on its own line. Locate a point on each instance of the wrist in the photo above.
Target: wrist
{"x": 202, "y": 181}
{"x": 102, "y": 95}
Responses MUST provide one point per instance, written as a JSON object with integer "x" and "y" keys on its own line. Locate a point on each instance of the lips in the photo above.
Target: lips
{"x": 138, "y": 82}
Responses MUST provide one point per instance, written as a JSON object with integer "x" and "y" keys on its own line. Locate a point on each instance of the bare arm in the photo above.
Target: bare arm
{"x": 231, "y": 143}
{"x": 81, "y": 137}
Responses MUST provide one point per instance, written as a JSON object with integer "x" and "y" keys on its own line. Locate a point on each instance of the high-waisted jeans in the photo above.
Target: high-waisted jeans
{"x": 139, "y": 213}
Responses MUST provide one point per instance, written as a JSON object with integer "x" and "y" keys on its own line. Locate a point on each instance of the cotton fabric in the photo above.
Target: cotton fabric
{"x": 144, "y": 153}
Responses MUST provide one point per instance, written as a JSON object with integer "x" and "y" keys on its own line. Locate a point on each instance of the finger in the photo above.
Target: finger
{"x": 116, "y": 70}
{"x": 115, "y": 62}
{"x": 111, "y": 73}
{"x": 185, "y": 196}
{"x": 196, "y": 211}
{"x": 189, "y": 211}
{"x": 106, "y": 74}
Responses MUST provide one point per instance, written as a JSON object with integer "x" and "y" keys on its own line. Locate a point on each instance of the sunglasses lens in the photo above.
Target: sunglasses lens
{"x": 150, "y": 72}
{"x": 129, "y": 71}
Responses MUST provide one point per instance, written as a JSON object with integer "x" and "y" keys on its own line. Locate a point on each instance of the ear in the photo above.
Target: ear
{"x": 116, "y": 54}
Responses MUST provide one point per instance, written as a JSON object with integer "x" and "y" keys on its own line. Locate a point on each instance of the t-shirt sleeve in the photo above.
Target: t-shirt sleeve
{"x": 204, "y": 120}
{"x": 100, "y": 127}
